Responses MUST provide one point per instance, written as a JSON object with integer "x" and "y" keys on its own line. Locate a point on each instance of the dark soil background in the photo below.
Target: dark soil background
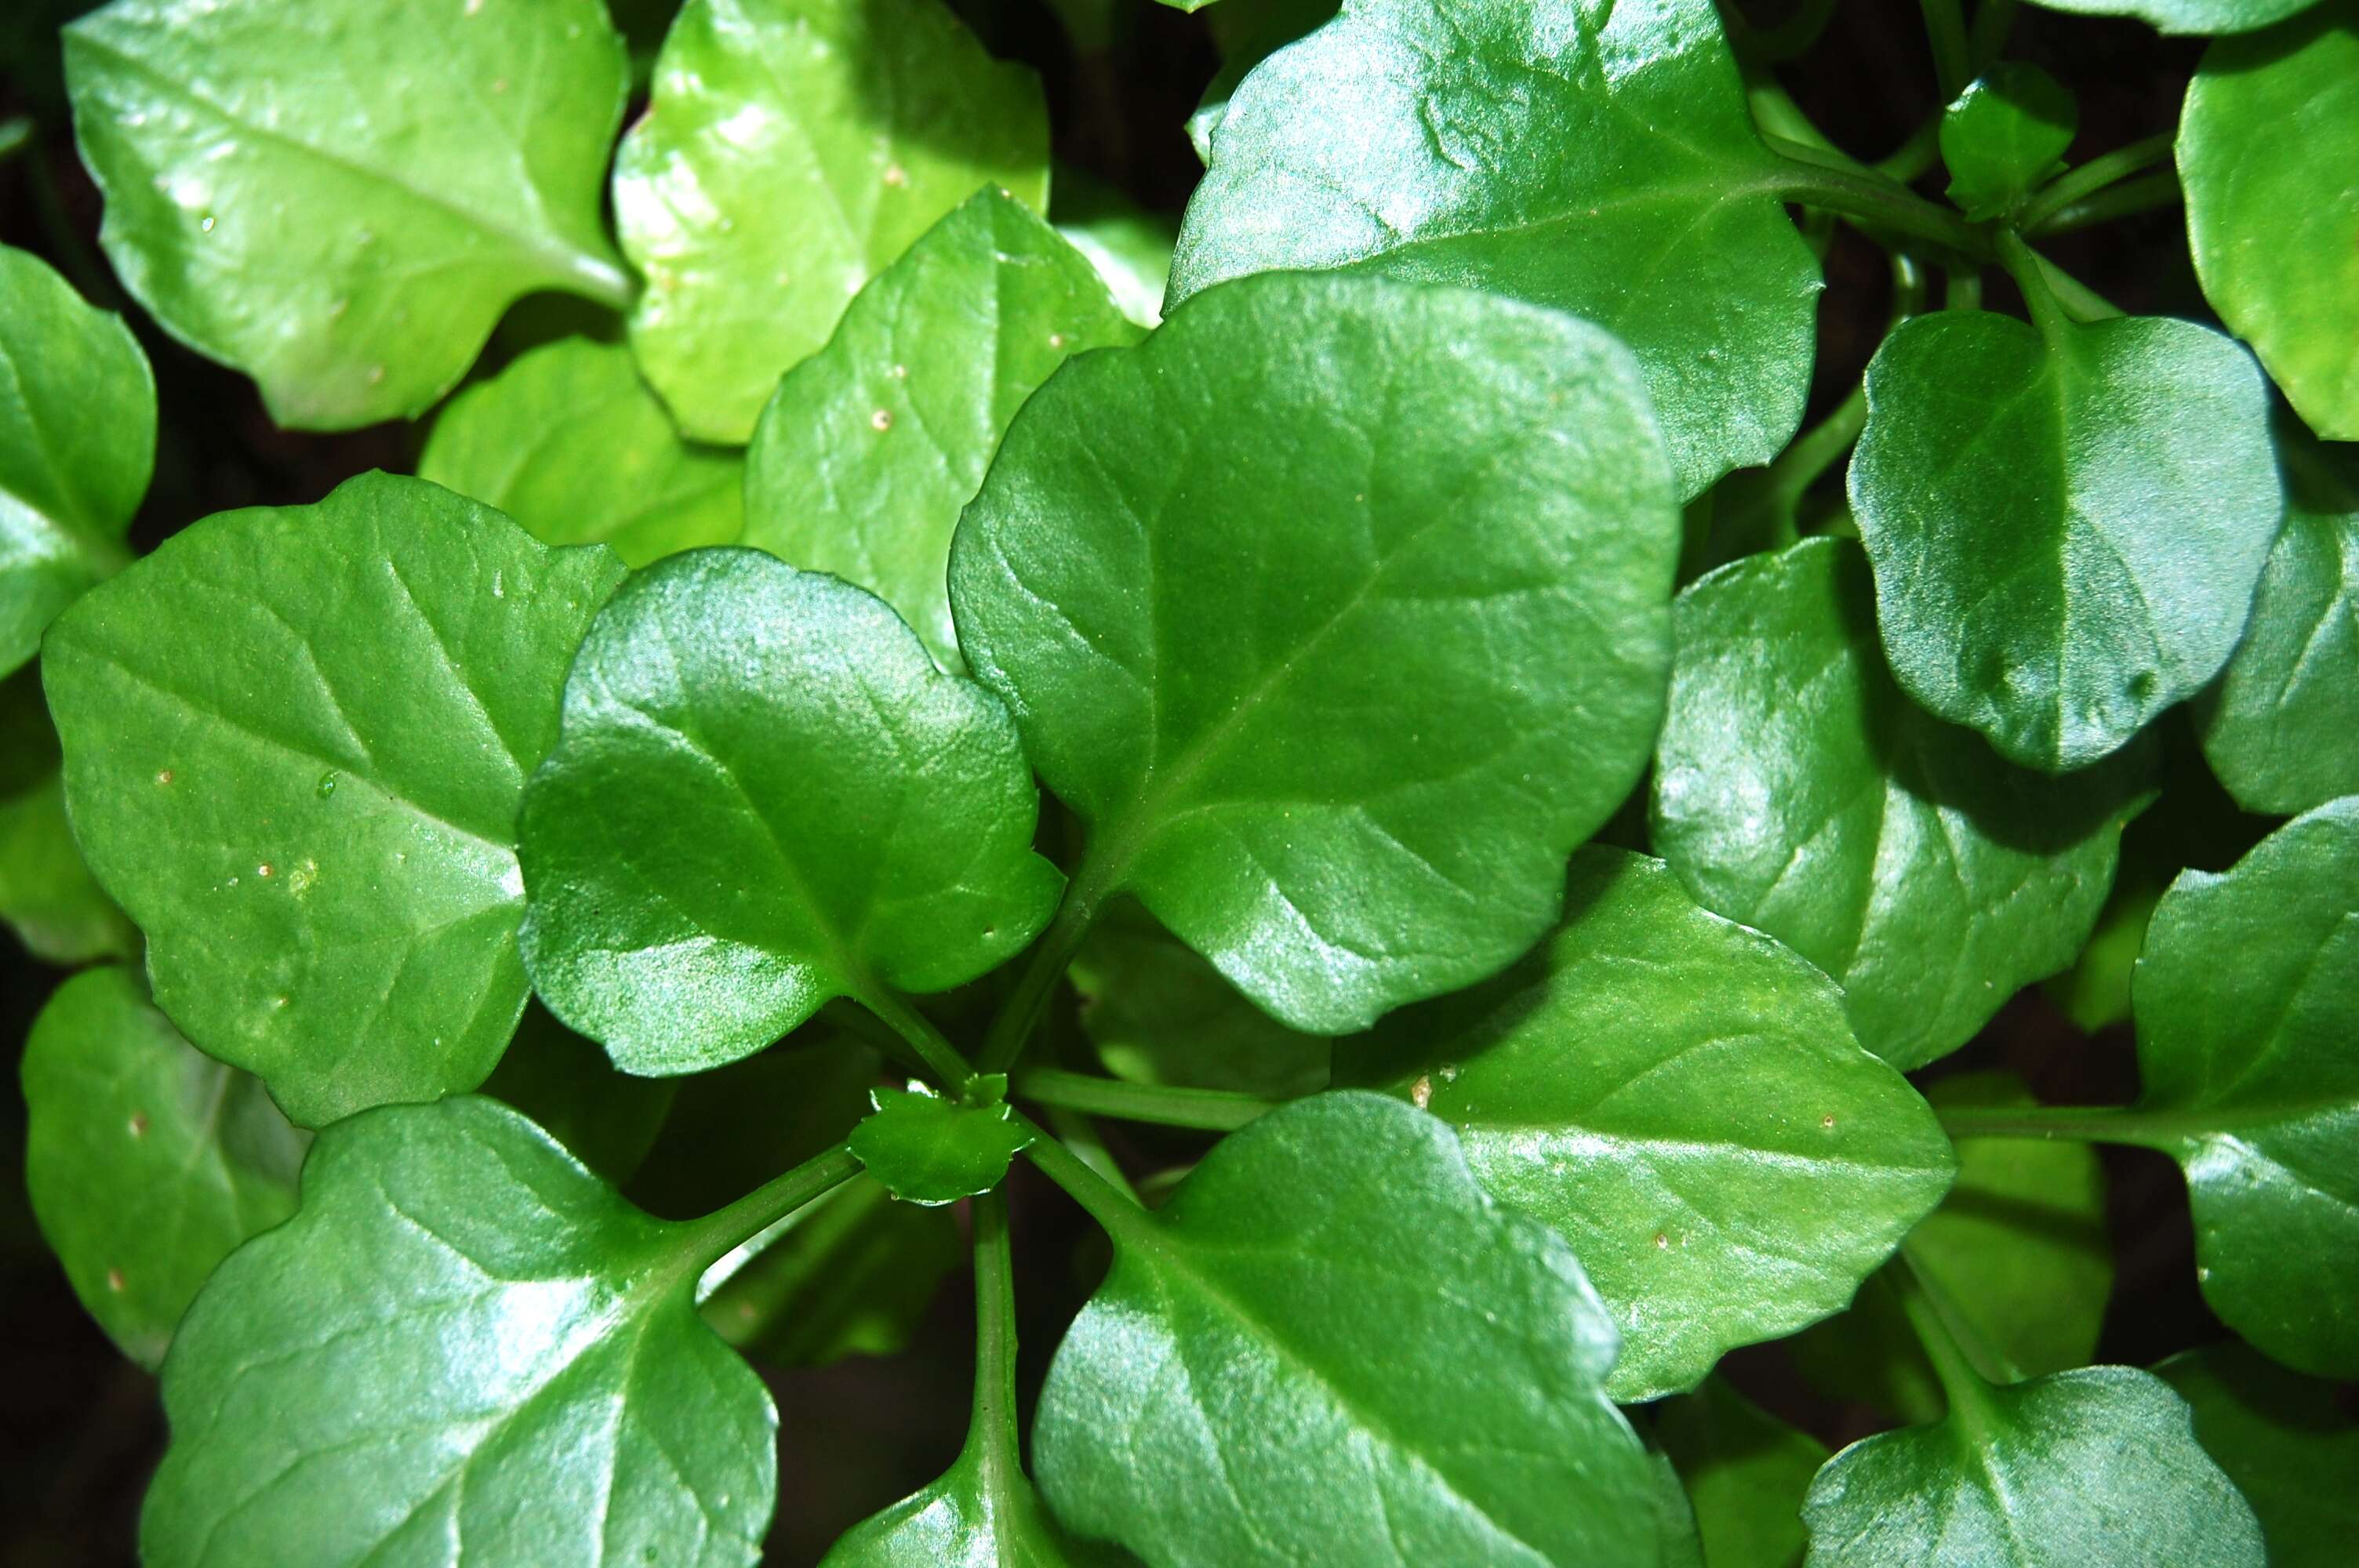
{"x": 80, "y": 1428}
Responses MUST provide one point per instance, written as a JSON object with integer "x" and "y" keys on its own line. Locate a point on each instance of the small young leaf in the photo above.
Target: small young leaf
{"x": 2085, "y": 1469}
{"x": 2287, "y": 1443}
{"x": 932, "y": 1151}
{"x": 569, "y": 443}
{"x": 793, "y": 148}
{"x": 1329, "y": 1346}
{"x": 47, "y": 893}
{"x": 764, "y": 796}
{"x": 869, "y": 449}
{"x": 341, "y": 198}
{"x": 1340, "y": 610}
{"x": 1681, "y": 1099}
{"x": 1399, "y": 139}
{"x": 2066, "y": 523}
{"x": 1799, "y": 791}
{"x": 77, "y": 439}
{"x": 464, "y": 1348}
{"x": 2003, "y": 138}
{"x": 295, "y": 743}
{"x": 1745, "y": 1472}
{"x": 146, "y": 1163}
{"x": 851, "y": 1274}
{"x": 2189, "y": 15}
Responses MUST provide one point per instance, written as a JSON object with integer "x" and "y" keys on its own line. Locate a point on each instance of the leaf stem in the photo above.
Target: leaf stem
{"x": 2048, "y": 312}
{"x": 1989, "y": 1362}
{"x": 711, "y": 1239}
{"x": 992, "y": 1440}
{"x": 1945, "y": 29}
{"x": 933, "y": 1048}
{"x": 1962, "y": 1383}
{"x": 1994, "y": 20}
{"x": 1868, "y": 199}
{"x": 1208, "y": 1111}
{"x": 1117, "y": 1214}
{"x": 2080, "y": 1124}
{"x": 1080, "y": 1134}
{"x": 1011, "y": 1031}
{"x": 2126, "y": 200}
{"x": 2080, "y": 184}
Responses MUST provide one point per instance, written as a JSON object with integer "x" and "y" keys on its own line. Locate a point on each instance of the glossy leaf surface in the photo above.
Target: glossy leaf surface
{"x": 851, "y": 1274}
{"x": 1338, "y": 609}
{"x": 2189, "y": 15}
{"x": 572, "y": 444}
{"x": 2066, "y": 525}
{"x": 1248, "y": 32}
{"x": 146, "y": 1162}
{"x": 1797, "y": 790}
{"x": 1681, "y": 1099}
{"x": 870, "y": 448}
{"x": 1396, "y": 139}
{"x": 929, "y": 1150}
{"x": 2004, "y": 135}
{"x": 342, "y": 200}
{"x": 793, "y": 149}
{"x": 310, "y": 811}
{"x": 1745, "y": 1473}
{"x": 464, "y": 1347}
{"x": 2285, "y": 1441}
{"x": 764, "y": 796}
{"x": 47, "y": 893}
{"x": 1236, "y": 1393}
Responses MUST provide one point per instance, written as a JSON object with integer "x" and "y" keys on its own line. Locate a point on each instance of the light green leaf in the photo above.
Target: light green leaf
{"x": 2003, "y": 138}
{"x": 1680, "y": 1099}
{"x": 2287, "y": 1443}
{"x": 564, "y": 1085}
{"x": 870, "y": 448}
{"x": 2095, "y": 1468}
{"x": 2248, "y": 1002}
{"x": 932, "y": 1151}
{"x": 146, "y": 1163}
{"x": 465, "y": 1347}
{"x": 1796, "y": 790}
{"x": 851, "y": 1274}
{"x": 1745, "y": 1472}
{"x": 1399, "y": 139}
{"x": 568, "y": 442}
{"x": 295, "y": 741}
{"x": 2067, "y": 522}
{"x": 77, "y": 440}
{"x": 1248, "y": 32}
{"x": 1329, "y": 1346}
{"x": 1130, "y": 247}
{"x": 47, "y": 893}
{"x": 793, "y": 148}
{"x": 340, "y": 199}
{"x": 1339, "y": 608}
{"x": 2187, "y": 16}
{"x": 764, "y": 796}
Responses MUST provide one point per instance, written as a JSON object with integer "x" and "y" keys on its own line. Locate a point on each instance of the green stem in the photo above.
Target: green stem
{"x": 1869, "y": 199}
{"x": 933, "y": 1048}
{"x": 2080, "y": 184}
{"x": 1966, "y": 1389}
{"x": 1080, "y": 1134}
{"x": 1207, "y": 1111}
{"x": 711, "y": 1237}
{"x": 2078, "y": 1124}
{"x": 1991, "y": 1363}
{"x": 991, "y": 1440}
{"x": 1011, "y": 1031}
{"x": 1117, "y": 1213}
{"x": 1913, "y": 156}
{"x": 1993, "y": 19}
{"x": 2126, "y": 200}
{"x": 1945, "y": 29}
{"x": 2048, "y": 313}
{"x": 2081, "y": 302}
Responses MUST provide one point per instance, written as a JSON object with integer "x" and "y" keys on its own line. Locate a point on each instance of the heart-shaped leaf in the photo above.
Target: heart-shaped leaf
{"x": 2004, "y": 136}
{"x": 2285, "y": 1440}
{"x": 932, "y": 1150}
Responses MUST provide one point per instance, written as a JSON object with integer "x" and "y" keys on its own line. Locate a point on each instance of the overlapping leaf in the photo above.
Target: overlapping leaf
{"x": 2285, "y": 1440}
{"x": 1745, "y": 1473}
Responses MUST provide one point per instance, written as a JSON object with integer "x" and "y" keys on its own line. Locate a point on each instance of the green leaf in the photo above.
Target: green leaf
{"x": 2083, "y": 1469}
{"x": 77, "y": 440}
{"x": 464, "y": 1348}
{"x": 2281, "y": 727}
{"x": 793, "y": 148}
{"x": 1329, "y": 1346}
{"x": 2187, "y": 16}
{"x": 2004, "y": 136}
{"x": 47, "y": 893}
{"x": 1399, "y": 139}
{"x": 2247, "y": 1000}
{"x": 1745, "y": 1472}
{"x": 1679, "y": 1543}
{"x": 340, "y": 198}
{"x": 2265, "y": 146}
{"x": 1796, "y": 790}
{"x": 565, "y": 1085}
{"x": 2287, "y": 1443}
{"x": 969, "y": 1518}
{"x": 568, "y": 442}
{"x": 764, "y": 796}
{"x": 1680, "y": 1098}
{"x": 1248, "y": 32}
{"x": 146, "y": 1163}
{"x": 851, "y": 1274}
{"x": 932, "y": 1150}
{"x": 2067, "y": 522}
{"x": 2094, "y": 993}
{"x": 296, "y": 738}
{"x": 1338, "y": 608}
{"x": 870, "y": 448}
{"x": 1130, "y": 247}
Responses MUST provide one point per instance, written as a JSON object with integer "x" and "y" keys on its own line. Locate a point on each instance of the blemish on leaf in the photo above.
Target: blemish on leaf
{"x": 1827, "y": 1121}
{"x": 896, "y": 175}
{"x": 1662, "y": 1242}
{"x": 881, "y": 420}
{"x": 114, "y": 1280}
{"x": 1420, "y": 1093}
{"x": 327, "y": 785}
{"x": 164, "y": 775}
{"x": 138, "y": 1124}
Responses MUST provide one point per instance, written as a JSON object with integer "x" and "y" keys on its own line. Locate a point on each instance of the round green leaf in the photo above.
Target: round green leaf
{"x": 1399, "y": 140}
{"x": 295, "y": 743}
{"x": 1745, "y": 1472}
{"x": 464, "y": 1348}
{"x": 47, "y": 893}
{"x": 340, "y": 198}
{"x": 932, "y": 1151}
{"x": 2287, "y": 1443}
{"x": 764, "y": 796}
{"x": 792, "y": 149}
{"x": 2066, "y": 525}
{"x": 870, "y": 448}
{"x": 2087, "y": 1470}
{"x": 1799, "y": 791}
{"x": 146, "y": 1162}
{"x": 2247, "y": 1003}
{"x": 1680, "y": 1098}
{"x": 1339, "y": 608}
{"x": 1329, "y": 1346}
{"x": 851, "y": 1274}
{"x": 2187, "y": 16}
{"x": 569, "y": 443}
{"x": 77, "y": 440}
{"x": 2004, "y": 135}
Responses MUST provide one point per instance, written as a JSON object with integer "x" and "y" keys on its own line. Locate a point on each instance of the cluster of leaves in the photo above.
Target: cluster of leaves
{"x": 1343, "y": 564}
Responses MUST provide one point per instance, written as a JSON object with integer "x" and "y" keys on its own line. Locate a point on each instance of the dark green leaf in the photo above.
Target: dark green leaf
{"x": 1799, "y": 791}
{"x": 1338, "y": 608}
{"x": 47, "y": 893}
{"x": 2285, "y": 1441}
{"x": 2004, "y": 135}
{"x": 295, "y": 741}
{"x": 465, "y": 1347}
{"x": 564, "y": 1083}
{"x": 1680, "y": 1543}
{"x": 928, "y": 1150}
{"x": 146, "y": 1163}
{"x": 1680, "y": 1099}
{"x": 1329, "y": 1346}
{"x": 340, "y": 198}
{"x": 2189, "y": 15}
{"x": 793, "y": 148}
{"x": 1745, "y": 1472}
{"x": 764, "y": 796}
{"x": 851, "y": 1274}
{"x": 1400, "y": 139}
